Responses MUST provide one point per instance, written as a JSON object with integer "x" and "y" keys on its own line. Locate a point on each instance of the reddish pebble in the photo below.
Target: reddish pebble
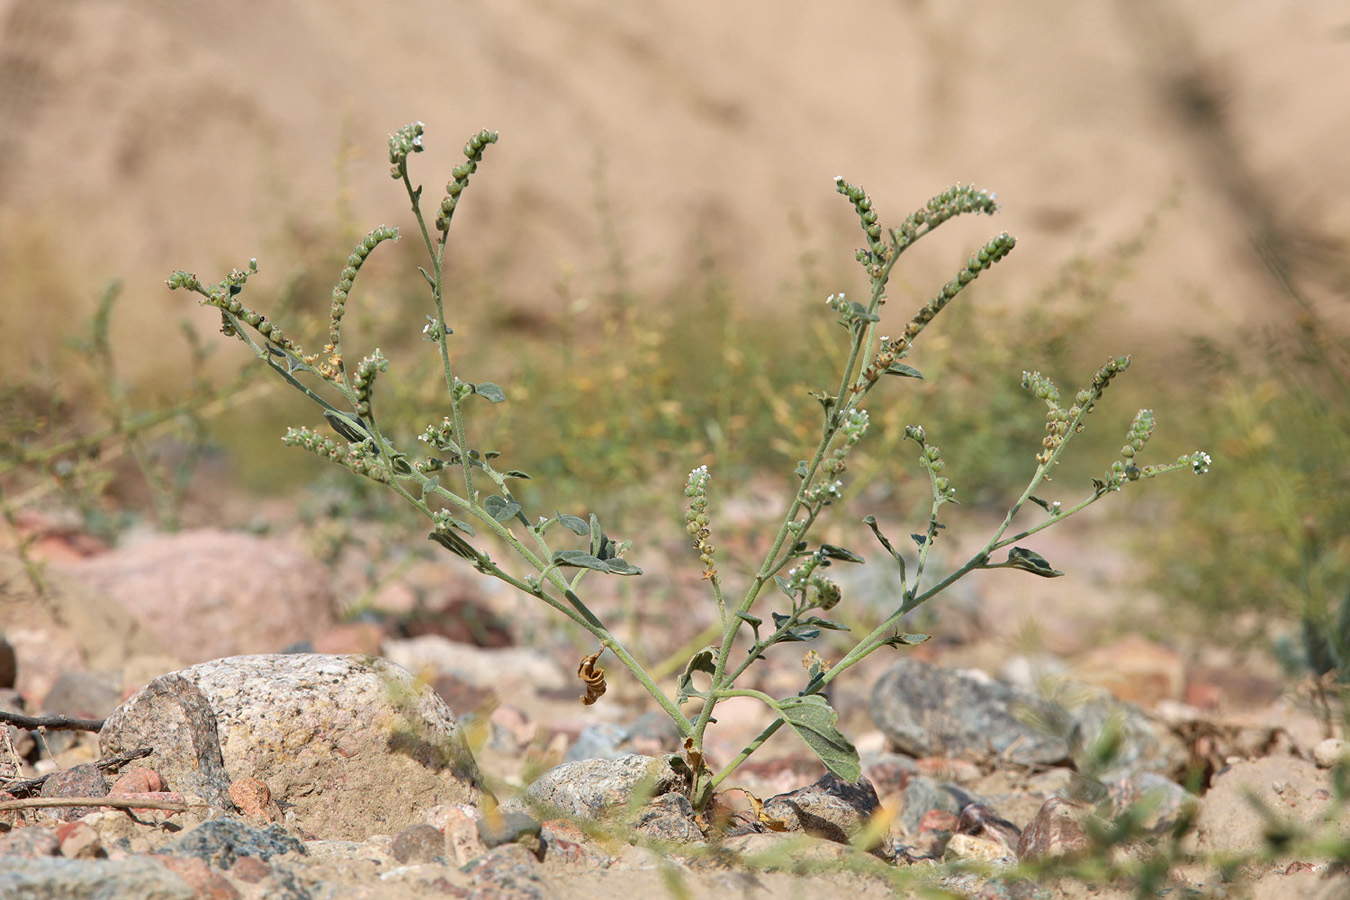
{"x": 137, "y": 781}
{"x": 939, "y": 820}
{"x": 78, "y": 840}
{"x": 250, "y": 869}
{"x": 167, "y": 796}
{"x": 144, "y": 784}
{"x": 206, "y": 882}
{"x": 10, "y": 817}
{"x": 254, "y": 799}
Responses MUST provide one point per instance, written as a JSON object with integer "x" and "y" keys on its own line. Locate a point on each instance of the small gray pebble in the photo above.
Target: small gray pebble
{"x": 419, "y": 844}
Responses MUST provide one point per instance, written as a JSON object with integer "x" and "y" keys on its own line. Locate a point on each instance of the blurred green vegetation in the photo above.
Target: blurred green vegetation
{"x": 614, "y": 397}
{"x": 1264, "y": 552}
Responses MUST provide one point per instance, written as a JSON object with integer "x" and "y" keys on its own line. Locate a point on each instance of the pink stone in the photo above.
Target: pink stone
{"x": 206, "y": 882}
{"x": 137, "y": 781}
{"x": 1056, "y": 830}
{"x": 939, "y": 820}
{"x": 207, "y": 594}
{"x": 254, "y": 799}
{"x": 78, "y": 840}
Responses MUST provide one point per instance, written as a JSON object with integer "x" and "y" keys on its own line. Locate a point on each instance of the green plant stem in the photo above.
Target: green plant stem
{"x": 577, "y": 611}
{"x": 876, "y": 638}
{"x": 861, "y": 343}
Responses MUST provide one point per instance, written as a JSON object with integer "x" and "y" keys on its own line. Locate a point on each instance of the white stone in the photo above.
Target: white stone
{"x": 1329, "y": 752}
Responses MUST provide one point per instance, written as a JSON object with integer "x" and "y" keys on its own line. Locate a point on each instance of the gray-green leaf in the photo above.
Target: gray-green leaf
{"x": 455, "y": 544}
{"x": 903, "y": 371}
{"x": 489, "y": 390}
{"x": 816, "y": 723}
{"x": 900, "y": 639}
{"x": 1029, "y": 561}
{"x": 349, "y": 426}
{"x": 839, "y": 553}
{"x": 702, "y": 661}
{"x": 574, "y": 524}
{"x": 500, "y": 508}
{"x": 579, "y": 559}
{"x": 618, "y": 566}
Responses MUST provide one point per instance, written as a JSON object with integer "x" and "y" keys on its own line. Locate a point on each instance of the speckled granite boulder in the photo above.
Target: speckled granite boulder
{"x": 349, "y": 745}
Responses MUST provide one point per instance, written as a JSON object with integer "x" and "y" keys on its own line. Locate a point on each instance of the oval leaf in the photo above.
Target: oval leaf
{"x": 574, "y": 524}
{"x": 816, "y": 723}
{"x": 618, "y": 566}
{"x": 500, "y": 508}
{"x": 490, "y": 391}
{"x": 578, "y": 559}
{"x": 464, "y": 527}
{"x": 1029, "y": 561}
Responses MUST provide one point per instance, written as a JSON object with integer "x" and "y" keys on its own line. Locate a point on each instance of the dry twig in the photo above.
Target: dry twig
{"x": 20, "y": 788}
{"x": 51, "y": 723}
{"x": 113, "y": 802}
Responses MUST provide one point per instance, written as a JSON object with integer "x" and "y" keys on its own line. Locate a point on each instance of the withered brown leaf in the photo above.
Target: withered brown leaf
{"x": 594, "y": 676}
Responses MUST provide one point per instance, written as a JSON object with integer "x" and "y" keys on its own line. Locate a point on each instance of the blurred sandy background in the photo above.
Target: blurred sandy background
{"x": 142, "y": 136}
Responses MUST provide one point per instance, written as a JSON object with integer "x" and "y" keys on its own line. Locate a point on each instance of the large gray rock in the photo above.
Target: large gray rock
{"x": 103, "y": 879}
{"x": 928, "y": 710}
{"x": 221, "y": 842}
{"x": 207, "y": 594}
{"x": 349, "y": 745}
{"x": 605, "y": 789}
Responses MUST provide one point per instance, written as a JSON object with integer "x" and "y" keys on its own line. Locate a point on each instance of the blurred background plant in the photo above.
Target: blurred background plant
{"x": 1265, "y": 559}
{"x": 97, "y": 454}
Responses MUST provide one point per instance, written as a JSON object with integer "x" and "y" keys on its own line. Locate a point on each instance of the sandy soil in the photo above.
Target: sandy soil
{"x": 141, "y": 136}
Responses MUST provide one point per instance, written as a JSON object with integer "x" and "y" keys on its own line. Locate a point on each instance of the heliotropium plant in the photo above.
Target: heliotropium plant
{"x": 463, "y": 489}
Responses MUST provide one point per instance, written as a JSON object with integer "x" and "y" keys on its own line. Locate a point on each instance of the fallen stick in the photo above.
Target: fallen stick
{"x": 112, "y": 802}
{"x": 51, "y": 723}
{"x": 110, "y": 762}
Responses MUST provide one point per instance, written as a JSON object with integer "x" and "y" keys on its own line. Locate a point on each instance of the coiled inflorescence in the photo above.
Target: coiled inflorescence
{"x": 876, "y": 252}
{"x": 1060, "y": 420}
{"x": 359, "y": 458}
{"x": 696, "y": 521}
{"x": 459, "y": 176}
{"x": 993, "y": 251}
{"x": 331, "y": 367}
{"x": 402, "y": 144}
